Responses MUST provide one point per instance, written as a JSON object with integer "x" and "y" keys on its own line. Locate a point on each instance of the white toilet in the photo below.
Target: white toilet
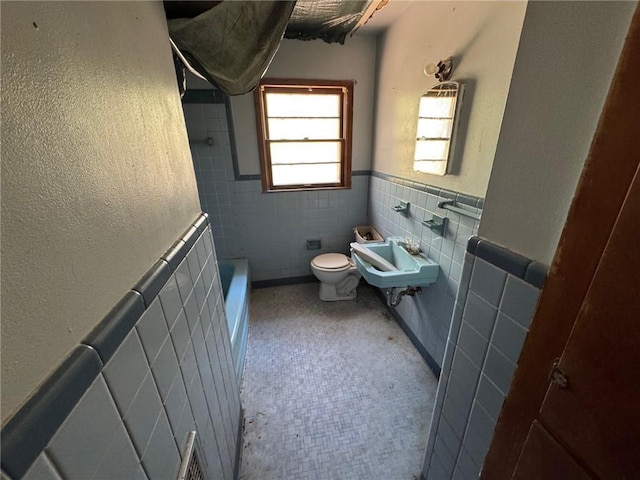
{"x": 338, "y": 276}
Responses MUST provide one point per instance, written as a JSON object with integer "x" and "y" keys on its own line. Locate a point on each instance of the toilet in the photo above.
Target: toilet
{"x": 338, "y": 274}
{"x": 338, "y": 277}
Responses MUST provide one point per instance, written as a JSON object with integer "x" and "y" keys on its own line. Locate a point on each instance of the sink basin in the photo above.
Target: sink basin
{"x": 412, "y": 270}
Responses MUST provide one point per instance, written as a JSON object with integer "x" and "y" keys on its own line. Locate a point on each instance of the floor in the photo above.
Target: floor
{"x": 331, "y": 390}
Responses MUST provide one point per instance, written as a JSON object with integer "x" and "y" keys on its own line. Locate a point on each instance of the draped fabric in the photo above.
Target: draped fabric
{"x": 232, "y": 44}
{"x": 329, "y": 20}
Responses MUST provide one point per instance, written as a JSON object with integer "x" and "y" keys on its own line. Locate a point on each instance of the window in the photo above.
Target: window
{"x": 304, "y": 134}
{"x": 436, "y": 117}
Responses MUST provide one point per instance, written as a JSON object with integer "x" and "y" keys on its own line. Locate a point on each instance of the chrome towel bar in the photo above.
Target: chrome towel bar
{"x": 451, "y": 205}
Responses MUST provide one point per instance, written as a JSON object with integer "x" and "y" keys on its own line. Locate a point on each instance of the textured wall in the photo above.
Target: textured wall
{"x": 550, "y": 119}
{"x": 355, "y": 60}
{"x": 97, "y": 179}
{"x": 482, "y": 37}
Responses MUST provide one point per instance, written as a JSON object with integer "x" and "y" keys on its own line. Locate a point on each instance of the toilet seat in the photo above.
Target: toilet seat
{"x": 338, "y": 276}
{"x": 331, "y": 261}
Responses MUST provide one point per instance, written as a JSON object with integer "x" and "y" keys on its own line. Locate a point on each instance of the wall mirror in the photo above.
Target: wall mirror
{"x": 435, "y": 135}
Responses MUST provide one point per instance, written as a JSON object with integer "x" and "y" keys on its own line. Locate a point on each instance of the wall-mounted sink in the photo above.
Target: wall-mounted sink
{"x": 411, "y": 270}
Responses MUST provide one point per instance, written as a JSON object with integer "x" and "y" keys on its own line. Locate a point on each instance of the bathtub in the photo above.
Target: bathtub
{"x": 234, "y": 277}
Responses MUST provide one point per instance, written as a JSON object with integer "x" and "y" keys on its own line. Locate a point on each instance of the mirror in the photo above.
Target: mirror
{"x": 436, "y": 128}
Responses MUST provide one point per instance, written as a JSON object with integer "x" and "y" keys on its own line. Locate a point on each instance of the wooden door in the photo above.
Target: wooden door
{"x": 596, "y": 413}
{"x": 588, "y": 316}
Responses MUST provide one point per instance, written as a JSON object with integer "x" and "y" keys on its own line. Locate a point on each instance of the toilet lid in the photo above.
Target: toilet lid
{"x": 331, "y": 261}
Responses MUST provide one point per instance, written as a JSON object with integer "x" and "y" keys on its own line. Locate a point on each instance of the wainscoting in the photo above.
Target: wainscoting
{"x": 426, "y": 318}
{"x": 494, "y": 307}
{"x": 158, "y": 366}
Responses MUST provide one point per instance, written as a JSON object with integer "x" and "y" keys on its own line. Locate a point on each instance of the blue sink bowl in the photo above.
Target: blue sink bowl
{"x": 413, "y": 270}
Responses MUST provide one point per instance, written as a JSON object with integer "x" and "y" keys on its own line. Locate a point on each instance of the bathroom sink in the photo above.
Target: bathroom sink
{"x": 412, "y": 270}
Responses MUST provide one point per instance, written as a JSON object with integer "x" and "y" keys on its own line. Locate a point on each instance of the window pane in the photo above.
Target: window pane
{"x": 431, "y": 150}
{"x": 430, "y": 128}
{"x": 305, "y": 152}
{"x": 302, "y": 105}
{"x": 435, "y": 168}
{"x": 436, "y": 106}
{"x": 304, "y": 128}
{"x": 306, "y": 174}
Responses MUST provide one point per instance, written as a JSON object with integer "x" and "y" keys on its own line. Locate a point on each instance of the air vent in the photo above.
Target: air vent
{"x": 191, "y": 467}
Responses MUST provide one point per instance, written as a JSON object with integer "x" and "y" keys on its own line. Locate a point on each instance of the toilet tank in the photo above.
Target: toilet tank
{"x": 367, "y": 234}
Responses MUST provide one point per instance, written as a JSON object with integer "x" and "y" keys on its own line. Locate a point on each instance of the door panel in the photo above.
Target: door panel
{"x": 598, "y": 414}
{"x": 543, "y": 458}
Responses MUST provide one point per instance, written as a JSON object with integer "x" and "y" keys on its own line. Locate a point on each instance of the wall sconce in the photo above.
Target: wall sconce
{"x": 442, "y": 70}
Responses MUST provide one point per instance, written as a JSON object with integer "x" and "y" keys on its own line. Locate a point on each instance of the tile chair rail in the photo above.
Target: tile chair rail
{"x": 31, "y": 429}
{"x": 496, "y": 300}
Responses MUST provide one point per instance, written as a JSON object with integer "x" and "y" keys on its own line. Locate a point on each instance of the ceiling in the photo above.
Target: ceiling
{"x": 231, "y": 43}
{"x": 382, "y": 19}
{"x": 309, "y": 15}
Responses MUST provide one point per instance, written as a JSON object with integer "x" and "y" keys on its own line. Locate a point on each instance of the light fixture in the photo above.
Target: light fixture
{"x": 442, "y": 71}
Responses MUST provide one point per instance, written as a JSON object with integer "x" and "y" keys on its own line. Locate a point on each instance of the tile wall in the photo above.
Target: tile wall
{"x": 269, "y": 229}
{"x": 427, "y": 316}
{"x": 494, "y": 307}
{"x": 157, "y": 367}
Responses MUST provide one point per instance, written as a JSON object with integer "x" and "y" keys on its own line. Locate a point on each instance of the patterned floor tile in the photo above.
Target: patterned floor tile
{"x": 331, "y": 390}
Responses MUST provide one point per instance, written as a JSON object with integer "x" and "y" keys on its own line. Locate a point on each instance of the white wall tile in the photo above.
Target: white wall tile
{"x": 467, "y": 465}
{"x": 183, "y": 279}
{"x": 508, "y": 337}
{"x": 152, "y": 329}
{"x": 488, "y": 281}
{"x": 445, "y": 458}
{"x": 126, "y": 371}
{"x": 165, "y": 368}
{"x": 171, "y": 301}
{"x": 472, "y": 344}
{"x": 499, "y": 369}
{"x": 212, "y": 452}
{"x": 161, "y": 459}
{"x": 120, "y": 459}
{"x": 480, "y": 314}
{"x": 42, "y": 469}
{"x": 478, "y": 435}
{"x": 489, "y": 397}
{"x": 180, "y": 335}
{"x": 519, "y": 300}
{"x": 486, "y": 349}
{"x": 143, "y": 414}
{"x": 81, "y": 442}
{"x": 193, "y": 265}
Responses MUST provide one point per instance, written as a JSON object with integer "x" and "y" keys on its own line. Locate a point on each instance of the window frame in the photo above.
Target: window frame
{"x": 279, "y": 85}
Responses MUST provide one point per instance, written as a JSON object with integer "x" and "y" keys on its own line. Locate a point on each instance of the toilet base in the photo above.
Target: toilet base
{"x": 329, "y": 293}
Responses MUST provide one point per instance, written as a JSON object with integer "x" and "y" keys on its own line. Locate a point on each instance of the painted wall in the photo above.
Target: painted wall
{"x": 355, "y": 60}
{"x": 550, "y": 118}
{"x": 96, "y": 167}
{"x": 482, "y": 37}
